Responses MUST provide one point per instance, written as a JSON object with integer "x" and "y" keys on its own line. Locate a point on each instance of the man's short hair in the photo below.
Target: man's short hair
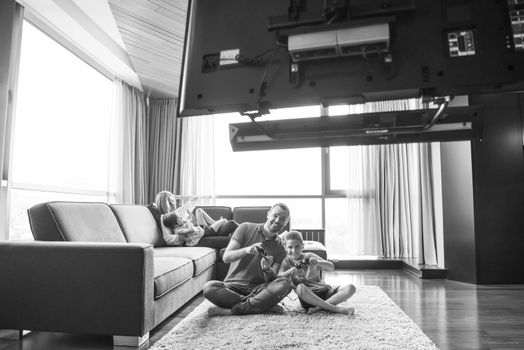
{"x": 283, "y": 206}
{"x": 294, "y": 235}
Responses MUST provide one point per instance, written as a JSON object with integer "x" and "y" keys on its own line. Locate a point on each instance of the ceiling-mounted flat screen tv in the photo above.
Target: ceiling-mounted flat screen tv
{"x": 250, "y": 56}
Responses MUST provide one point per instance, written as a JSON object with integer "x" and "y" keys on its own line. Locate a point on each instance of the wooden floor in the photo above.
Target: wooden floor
{"x": 454, "y": 315}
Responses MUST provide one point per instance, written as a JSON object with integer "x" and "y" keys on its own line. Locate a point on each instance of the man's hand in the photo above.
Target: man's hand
{"x": 255, "y": 249}
{"x": 313, "y": 262}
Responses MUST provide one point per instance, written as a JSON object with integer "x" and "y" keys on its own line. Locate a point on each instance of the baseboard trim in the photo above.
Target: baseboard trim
{"x": 367, "y": 264}
{"x": 119, "y": 340}
{"x": 13, "y": 334}
{"x": 409, "y": 265}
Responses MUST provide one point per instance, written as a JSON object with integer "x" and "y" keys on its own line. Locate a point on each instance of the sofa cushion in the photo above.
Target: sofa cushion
{"x": 315, "y": 247}
{"x": 138, "y": 225}
{"x": 170, "y": 272}
{"x": 77, "y": 221}
{"x": 42, "y": 224}
{"x": 202, "y": 257}
{"x": 216, "y": 211}
{"x": 216, "y": 242}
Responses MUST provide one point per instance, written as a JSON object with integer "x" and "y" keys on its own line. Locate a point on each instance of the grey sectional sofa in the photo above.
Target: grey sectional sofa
{"x": 99, "y": 269}
{"x": 96, "y": 268}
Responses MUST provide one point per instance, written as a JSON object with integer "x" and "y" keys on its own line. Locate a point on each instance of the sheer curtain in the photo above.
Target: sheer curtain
{"x": 362, "y": 216}
{"x": 396, "y": 212}
{"x": 164, "y": 147}
{"x": 129, "y": 149}
{"x": 197, "y": 159}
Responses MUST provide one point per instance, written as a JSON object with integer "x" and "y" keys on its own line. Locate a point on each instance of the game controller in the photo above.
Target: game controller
{"x": 261, "y": 251}
{"x": 303, "y": 263}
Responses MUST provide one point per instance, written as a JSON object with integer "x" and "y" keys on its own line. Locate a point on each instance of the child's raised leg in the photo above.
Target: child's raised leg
{"x": 218, "y": 224}
{"x": 309, "y": 297}
{"x": 343, "y": 294}
{"x": 202, "y": 218}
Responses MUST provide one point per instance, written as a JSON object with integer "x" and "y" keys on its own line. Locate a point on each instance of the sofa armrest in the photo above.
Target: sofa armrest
{"x": 77, "y": 287}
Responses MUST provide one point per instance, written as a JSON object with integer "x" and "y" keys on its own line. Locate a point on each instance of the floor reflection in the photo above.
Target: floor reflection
{"x": 446, "y": 311}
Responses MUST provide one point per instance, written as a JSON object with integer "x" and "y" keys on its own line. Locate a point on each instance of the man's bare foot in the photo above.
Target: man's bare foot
{"x": 277, "y": 309}
{"x": 218, "y": 311}
{"x": 346, "y": 310}
{"x": 313, "y": 310}
{"x": 341, "y": 310}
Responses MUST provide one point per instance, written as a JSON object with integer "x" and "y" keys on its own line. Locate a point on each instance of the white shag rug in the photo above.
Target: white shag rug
{"x": 378, "y": 323}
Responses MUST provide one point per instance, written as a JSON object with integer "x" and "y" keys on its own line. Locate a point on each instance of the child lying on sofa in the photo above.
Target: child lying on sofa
{"x": 178, "y": 231}
{"x": 221, "y": 227}
{"x": 180, "y": 226}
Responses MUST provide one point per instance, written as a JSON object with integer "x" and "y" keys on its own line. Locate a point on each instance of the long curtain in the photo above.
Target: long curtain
{"x": 129, "y": 147}
{"x": 396, "y": 214}
{"x": 164, "y": 147}
{"x": 198, "y": 159}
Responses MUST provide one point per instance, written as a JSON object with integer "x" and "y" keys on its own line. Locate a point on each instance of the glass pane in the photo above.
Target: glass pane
{"x": 305, "y": 212}
{"x": 338, "y": 110}
{"x": 339, "y": 167}
{"x": 290, "y": 172}
{"x": 63, "y": 116}
{"x": 21, "y": 200}
{"x": 294, "y": 113}
{"x": 345, "y": 167}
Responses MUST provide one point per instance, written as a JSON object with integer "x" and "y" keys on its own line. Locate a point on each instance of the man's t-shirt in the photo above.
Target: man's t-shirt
{"x": 247, "y": 270}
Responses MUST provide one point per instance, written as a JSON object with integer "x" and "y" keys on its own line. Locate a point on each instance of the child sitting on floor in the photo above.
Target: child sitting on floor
{"x": 305, "y": 273}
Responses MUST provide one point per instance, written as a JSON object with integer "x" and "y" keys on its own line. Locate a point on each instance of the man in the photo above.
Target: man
{"x": 255, "y": 253}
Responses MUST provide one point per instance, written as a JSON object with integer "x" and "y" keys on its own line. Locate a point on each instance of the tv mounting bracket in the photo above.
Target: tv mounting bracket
{"x": 441, "y": 101}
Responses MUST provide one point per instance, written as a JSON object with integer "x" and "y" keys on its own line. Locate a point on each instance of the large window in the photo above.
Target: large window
{"x": 266, "y": 177}
{"x": 61, "y": 130}
{"x": 293, "y": 176}
{"x": 324, "y": 187}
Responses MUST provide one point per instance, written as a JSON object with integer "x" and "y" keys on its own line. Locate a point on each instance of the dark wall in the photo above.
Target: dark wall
{"x": 483, "y": 196}
{"x": 498, "y": 177}
{"x": 457, "y": 211}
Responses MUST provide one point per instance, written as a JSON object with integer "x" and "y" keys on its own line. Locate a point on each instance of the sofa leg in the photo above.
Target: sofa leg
{"x": 13, "y": 334}
{"x": 120, "y": 340}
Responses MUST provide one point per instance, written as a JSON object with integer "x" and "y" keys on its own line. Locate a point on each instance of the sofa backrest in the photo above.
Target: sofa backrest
{"x": 138, "y": 225}
{"x": 250, "y": 214}
{"x": 216, "y": 211}
{"x": 74, "y": 221}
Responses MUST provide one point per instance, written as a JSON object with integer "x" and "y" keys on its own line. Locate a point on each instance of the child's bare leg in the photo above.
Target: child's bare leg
{"x": 343, "y": 294}
{"x": 217, "y": 224}
{"x": 202, "y": 218}
{"x": 309, "y": 297}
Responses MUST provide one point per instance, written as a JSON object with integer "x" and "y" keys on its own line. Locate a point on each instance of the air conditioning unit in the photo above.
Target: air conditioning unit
{"x": 361, "y": 40}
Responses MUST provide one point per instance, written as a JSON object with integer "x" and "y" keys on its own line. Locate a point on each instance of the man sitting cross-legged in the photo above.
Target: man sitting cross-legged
{"x": 255, "y": 253}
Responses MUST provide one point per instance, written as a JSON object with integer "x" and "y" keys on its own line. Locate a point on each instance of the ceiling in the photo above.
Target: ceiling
{"x": 138, "y": 41}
